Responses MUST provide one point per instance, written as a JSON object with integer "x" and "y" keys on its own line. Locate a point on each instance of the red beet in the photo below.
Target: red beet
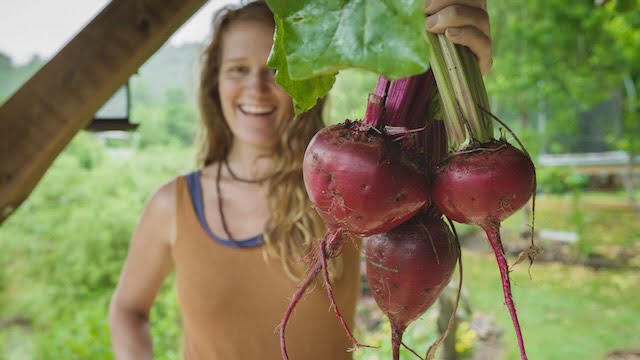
{"x": 361, "y": 184}
{"x": 407, "y": 269}
{"x": 359, "y": 180}
{"x": 483, "y": 186}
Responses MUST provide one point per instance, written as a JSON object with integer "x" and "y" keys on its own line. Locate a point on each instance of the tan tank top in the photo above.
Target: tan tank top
{"x": 232, "y": 300}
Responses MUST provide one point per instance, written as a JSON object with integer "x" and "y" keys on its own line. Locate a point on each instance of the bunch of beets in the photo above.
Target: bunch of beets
{"x": 399, "y": 176}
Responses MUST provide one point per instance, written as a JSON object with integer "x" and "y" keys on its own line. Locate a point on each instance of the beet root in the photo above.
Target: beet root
{"x": 483, "y": 186}
{"x": 360, "y": 181}
{"x": 330, "y": 247}
{"x": 407, "y": 269}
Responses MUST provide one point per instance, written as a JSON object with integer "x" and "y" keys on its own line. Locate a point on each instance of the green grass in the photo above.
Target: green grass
{"x": 603, "y": 220}
{"x": 565, "y": 312}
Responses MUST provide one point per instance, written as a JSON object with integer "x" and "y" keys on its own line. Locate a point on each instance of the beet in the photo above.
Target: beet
{"x": 359, "y": 180}
{"x": 483, "y": 186}
{"x": 407, "y": 269}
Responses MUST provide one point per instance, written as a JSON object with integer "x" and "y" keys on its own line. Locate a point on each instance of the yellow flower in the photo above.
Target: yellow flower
{"x": 465, "y": 339}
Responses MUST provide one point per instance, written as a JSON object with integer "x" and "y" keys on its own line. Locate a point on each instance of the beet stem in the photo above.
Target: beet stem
{"x": 294, "y": 301}
{"x": 399, "y": 99}
{"x": 396, "y": 340}
{"x": 375, "y": 110}
{"x": 334, "y": 305}
{"x": 493, "y": 234}
{"x": 461, "y": 89}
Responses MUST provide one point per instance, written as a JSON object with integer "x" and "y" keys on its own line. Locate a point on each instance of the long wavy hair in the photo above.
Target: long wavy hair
{"x": 293, "y": 224}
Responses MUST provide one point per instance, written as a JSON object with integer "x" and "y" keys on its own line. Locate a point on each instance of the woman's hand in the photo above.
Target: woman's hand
{"x": 464, "y": 22}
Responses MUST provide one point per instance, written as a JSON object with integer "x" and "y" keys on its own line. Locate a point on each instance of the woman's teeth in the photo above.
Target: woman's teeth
{"x": 256, "y": 110}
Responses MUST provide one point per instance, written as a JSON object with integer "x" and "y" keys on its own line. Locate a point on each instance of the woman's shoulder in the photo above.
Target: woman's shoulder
{"x": 163, "y": 200}
{"x": 159, "y": 215}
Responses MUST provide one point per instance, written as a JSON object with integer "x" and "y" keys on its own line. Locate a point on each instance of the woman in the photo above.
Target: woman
{"x": 235, "y": 230}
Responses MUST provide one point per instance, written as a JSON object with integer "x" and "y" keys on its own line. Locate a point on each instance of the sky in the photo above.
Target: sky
{"x": 43, "y": 27}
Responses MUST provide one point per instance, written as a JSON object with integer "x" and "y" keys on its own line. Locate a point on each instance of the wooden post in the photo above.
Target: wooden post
{"x": 447, "y": 303}
{"x": 42, "y": 117}
{"x": 632, "y": 96}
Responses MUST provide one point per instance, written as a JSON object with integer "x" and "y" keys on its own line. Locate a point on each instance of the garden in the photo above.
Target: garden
{"x": 63, "y": 249}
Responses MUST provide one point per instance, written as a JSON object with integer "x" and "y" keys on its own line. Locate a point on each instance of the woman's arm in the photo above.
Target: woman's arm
{"x": 148, "y": 264}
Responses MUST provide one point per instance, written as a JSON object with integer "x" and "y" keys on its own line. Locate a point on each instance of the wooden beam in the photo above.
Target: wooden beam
{"x": 42, "y": 117}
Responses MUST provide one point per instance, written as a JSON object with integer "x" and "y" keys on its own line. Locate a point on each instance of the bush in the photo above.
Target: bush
{"x": 65, "y": 246}
{"x": 561, "y": 180}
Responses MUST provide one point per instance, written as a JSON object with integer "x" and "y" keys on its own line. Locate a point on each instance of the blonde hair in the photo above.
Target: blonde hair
{"x": 293, "y": 224}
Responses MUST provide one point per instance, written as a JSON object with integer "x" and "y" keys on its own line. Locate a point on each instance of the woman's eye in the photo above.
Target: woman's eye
{"x": 237, "y": 70}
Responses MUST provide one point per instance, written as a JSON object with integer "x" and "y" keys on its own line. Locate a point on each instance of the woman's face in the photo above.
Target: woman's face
{"x": 252, "y": 103}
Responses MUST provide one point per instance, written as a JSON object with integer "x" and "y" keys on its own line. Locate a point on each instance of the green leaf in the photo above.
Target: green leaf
{"x": 305, "y": 92}
{"x": 316, "y": 39}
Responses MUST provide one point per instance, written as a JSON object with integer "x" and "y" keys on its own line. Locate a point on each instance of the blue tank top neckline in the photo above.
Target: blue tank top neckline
{"x": 195, "y": 191}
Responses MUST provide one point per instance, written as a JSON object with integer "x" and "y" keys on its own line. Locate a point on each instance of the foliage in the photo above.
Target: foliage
{"x": 305, "y": 92}
{"x": 555, "y": 59}
{"x": 551, "y": 59}
{"x": 561, "y": 180}
{"x": 623, "y": 22}
{"x": 315, "y": 40}
{"x": 170, "y": 125}
{"x": 65, "y": 246}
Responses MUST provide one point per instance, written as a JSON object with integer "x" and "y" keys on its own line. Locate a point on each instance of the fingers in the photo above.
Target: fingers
{"x": 458, "y": 16}
{"x": 477, "y": 41}
{"x": 466, "y": 22}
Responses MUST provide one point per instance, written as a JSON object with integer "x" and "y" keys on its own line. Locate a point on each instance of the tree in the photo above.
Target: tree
{"x": 623, "y": 23}
{"x": 551, "y": 58}
{"x": 173, "y": 125}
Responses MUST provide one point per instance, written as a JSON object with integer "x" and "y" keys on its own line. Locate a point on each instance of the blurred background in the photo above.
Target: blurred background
{"x": 565, "y": 78}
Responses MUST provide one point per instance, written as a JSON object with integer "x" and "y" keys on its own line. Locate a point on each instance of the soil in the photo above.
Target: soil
{"x": 624, "y": 355}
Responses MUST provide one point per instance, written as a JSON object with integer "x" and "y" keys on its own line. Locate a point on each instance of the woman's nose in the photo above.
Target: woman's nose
{"x": 259, "y": 81}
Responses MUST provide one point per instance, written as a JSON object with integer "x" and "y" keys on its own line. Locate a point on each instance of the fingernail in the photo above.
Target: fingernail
{"x": 432, "y": 21}
{"x": 453, "y": 31}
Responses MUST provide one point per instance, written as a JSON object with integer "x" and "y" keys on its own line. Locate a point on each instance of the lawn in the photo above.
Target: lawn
{"x": 567, "y": 312}
{"x": 604, "y": 222}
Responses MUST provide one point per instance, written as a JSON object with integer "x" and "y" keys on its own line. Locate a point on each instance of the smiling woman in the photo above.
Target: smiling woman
{"x": 236, "y": 230}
